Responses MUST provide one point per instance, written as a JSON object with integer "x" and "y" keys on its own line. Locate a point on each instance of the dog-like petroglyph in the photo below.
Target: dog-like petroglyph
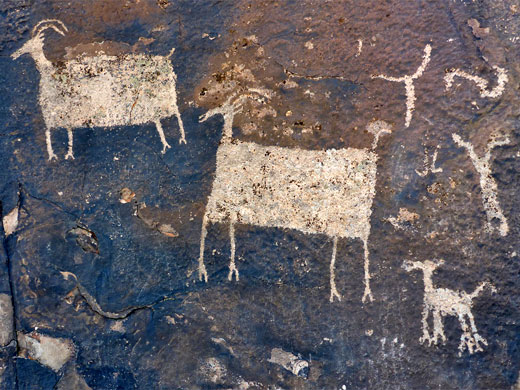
{"x": 488, "y": 185}
{"x": 502, "y": 79}
{"x": 327, "y": 192}
{"x": 102, "y": 90}
{"x": 408, "y": 83}
{"x": 442, "y": 302}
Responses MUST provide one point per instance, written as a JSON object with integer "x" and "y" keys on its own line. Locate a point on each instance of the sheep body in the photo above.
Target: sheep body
{"x": 109, "y": 91}
{"x": 321, "y": 192}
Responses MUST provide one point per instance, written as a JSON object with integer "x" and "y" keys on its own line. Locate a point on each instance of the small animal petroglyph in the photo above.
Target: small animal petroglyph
{"x": 488, "y": 185}
{"x": 429, "y": 167}
{"x": 408, "y": 83}
{"x": 481, "y": 83}
{"x": 442, "y": 302}
{"x": 102, "y": 90}
{"x": 326, "y": 192}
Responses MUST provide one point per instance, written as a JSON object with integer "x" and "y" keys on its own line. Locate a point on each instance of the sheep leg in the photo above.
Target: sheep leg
{"x": 368, "y": 293}
{"x": 50, "y": 152}
{"x": 333, "y": 290}
{"x": 202, "y": 267}
{"x": 426, "y": 335}
{"x": 71, "y": 141}
{"x": 438, "y": 329}
{"x": 182, "y": 140}
{"x": 232, "y": 267}
{"x": 466, "y": 339}
{"x": 161, "y": 135}
{"x": 478, "y": 338}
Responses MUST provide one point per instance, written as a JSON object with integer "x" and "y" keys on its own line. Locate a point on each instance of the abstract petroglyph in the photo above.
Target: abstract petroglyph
{"x": 488, "y": 184}
{"x": 442, "y": 302}
{"x": 429, "y": 166}
{"x": 408, "y": 83}
{"x": 102, "y": 90}
{"x": 481, "y": 83}
{"x": 326, "y": 192}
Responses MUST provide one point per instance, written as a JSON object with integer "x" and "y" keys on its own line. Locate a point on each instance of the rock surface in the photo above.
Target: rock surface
{"x": 100, "y": 267}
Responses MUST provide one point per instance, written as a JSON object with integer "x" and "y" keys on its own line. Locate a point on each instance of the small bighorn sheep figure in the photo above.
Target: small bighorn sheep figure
{"x": 442, "y": 302}
{"x": 328, "y": 192}
{"x": 102, "y": 90}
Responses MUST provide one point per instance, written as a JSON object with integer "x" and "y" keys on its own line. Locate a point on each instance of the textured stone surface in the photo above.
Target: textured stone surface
{"x": 99, "y": 261}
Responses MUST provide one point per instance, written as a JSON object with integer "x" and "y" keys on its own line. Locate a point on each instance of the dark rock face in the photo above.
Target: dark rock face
{"x": 100, "y": 277}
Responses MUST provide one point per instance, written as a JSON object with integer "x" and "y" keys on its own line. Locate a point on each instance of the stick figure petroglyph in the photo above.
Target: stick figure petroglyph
{"x": 488, "y": 185}
{"x": 442, "y": 302}
{"x": 408, "y": 83}
{"x": 481, "y": 83}
{"x": 429, "y": 167}
{"x": 102, "y": 90}
{"x": 326, "y": 192}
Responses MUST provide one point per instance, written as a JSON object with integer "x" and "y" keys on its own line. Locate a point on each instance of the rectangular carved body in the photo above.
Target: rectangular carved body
{"x": 109, "y": 91}
{"x": 326, "y": 192}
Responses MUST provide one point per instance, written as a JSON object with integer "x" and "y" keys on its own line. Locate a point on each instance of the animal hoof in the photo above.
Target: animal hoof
{"x": 334, "y": 293}
{"x": 367, "y": 296}
{"x": 69, "y": 155}
{"x": 53, "y": 157}
{"x": 232, "y": 272}
{"x": 182, "y": 141}
{"x": 203, "y": 274}
{"x": 167, "y": 146}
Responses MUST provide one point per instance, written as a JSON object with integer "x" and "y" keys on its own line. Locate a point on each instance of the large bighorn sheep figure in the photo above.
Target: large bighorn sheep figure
{"x": 442, "y": 302}
{"x": 327, "y": 192}
{"x": 102, "y": 90}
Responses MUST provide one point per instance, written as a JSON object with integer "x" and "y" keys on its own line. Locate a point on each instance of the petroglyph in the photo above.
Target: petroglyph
{"x": 429, "y": 167}
{"x": 488, "y": 184}
{"x": 442, "y": 302}
{"x": 102, "y": 90}
{"x": 502, "y": 79}
{"x": 326, "y": 192}
{"x": 408, "y": 83}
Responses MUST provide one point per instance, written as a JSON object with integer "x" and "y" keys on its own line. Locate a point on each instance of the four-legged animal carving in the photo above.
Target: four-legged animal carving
{"x": 442, "y": 302}
{"x": 102, "y": 90}
{"x": 327, "y": 192}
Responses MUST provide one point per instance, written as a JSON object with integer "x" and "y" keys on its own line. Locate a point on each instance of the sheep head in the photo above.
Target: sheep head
{"x": 35, "y": 44}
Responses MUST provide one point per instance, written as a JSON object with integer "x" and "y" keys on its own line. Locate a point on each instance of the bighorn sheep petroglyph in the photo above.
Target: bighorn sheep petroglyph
{"x": 102, "y": 90}
{"x": 327, "y": 192}
{"x": 488, "y": 185}
{"x": 442, "y": 302}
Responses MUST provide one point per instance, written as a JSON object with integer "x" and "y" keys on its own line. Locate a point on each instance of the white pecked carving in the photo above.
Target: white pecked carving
{"x": 102, "y": 90}
{"x": 326, "y": 192}
{"x": 442, "y": 302}
{"x": 408, "y": 83}
{"x": 488, "y": 185}
{"x": 502, "y": 79}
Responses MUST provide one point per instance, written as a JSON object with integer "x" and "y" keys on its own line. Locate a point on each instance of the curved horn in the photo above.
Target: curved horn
{"x": 39, "y": 28}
